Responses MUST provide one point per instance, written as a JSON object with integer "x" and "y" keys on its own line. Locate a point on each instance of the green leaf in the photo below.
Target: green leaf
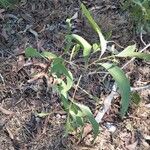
{"x": 59, "y": 68}
{"x": 77, "y": 117}
{"x": 49, "y": 55}
{"x": 69, "y": 126}
{"x": 130, "y": 52}
{"x": 74, "y": 51}
{"x": 65, "y": 101}
{"x": 123, "y": 84}
{"x": 135, "y": 97}
{"x": 67, "y": 87}
{"x": 31, "y": 52}
{"x": 87, "y": 112}
{"x": 144, "y": 56}
{"x": 79, "y": 121}
{"x": 97, "y": 29}
{"x": 90, "y": 18}
{"x": 95, "y": 47}
{"x": 127, "y": 51}
{"x": 85, "y": 45}
{"x": 68, "y": 40}
{"x": 64, "y": 88}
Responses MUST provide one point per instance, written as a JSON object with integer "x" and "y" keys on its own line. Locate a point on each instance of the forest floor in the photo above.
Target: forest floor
{"x": 42, "y": 25}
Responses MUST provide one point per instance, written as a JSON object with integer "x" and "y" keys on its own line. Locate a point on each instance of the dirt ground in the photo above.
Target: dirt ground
{"x": 41, "y": 24}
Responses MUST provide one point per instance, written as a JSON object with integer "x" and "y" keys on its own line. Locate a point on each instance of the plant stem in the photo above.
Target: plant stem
{"x": 105, "y": 58}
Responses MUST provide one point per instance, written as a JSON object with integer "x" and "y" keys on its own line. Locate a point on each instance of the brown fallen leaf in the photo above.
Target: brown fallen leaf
{"x": 38, "y": 76}
{"x": 20, "y": 62}
{"x": 145, "y": 144}
{"x": 87, "y": 130}
{"x": 132, "y": 146}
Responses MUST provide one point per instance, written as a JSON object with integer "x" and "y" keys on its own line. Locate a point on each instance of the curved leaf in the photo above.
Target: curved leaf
{"x": 144, "y": 56}
{"x": 127, "y": 50}
{"x": 86, "y": 46}
{"x": 90, "y": 19}
{"x": 75, "y": 51}
{"x": 123, "y": 84}
{"x": 97, "y": 29}
{"x": 87, "y": 112}
{"x": 130, "y": 52}
{"x": 67, "y": 87}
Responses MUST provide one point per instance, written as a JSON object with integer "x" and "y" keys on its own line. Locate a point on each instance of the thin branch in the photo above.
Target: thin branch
{"x": 146, "y": 46}
{"x": 95, "y": 72}
{"x": 140, "y": 88}
{"x": 115, "y": 43}
{"x": 76, "y": 87}
{"x": 141, "y": 37}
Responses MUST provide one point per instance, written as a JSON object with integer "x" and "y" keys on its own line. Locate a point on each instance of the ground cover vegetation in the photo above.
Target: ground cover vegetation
{"x": 78, "y": 114}
{"x": 66, "y": 71}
